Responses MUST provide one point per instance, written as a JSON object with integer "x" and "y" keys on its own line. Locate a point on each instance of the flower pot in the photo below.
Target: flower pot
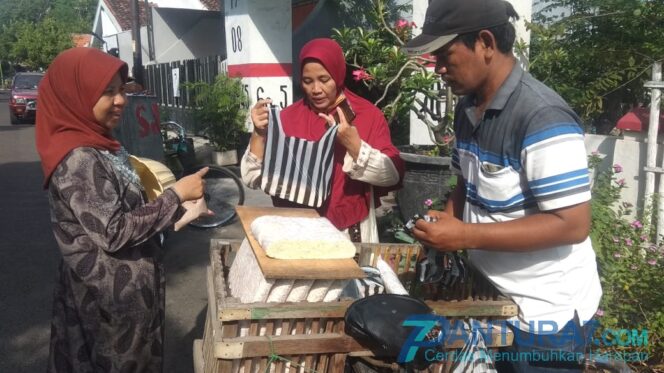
{"x": 226, "y": 158}
{"x": 425, "y": 177}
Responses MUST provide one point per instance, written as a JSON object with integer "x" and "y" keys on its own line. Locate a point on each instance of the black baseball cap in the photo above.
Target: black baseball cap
{"x": 446, "y": 19}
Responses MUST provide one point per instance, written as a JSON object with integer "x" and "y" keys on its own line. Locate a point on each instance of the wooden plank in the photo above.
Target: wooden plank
{"x": 324, "y": 359}
{"x": 286, "y": 310}
{"x": 217, "y": 277}
{"x": 314, "y": 269}
{"x": 198, "y": 356}
{"x": 262, "y": 346}
{"x": 299, "y": 344}
{"x": 217, "y": 332}
{"x": 266, "y": 311}
{"x": 338, "y": 363}
{"x": 269, "y": 331}
{"x": 477, "y": 308}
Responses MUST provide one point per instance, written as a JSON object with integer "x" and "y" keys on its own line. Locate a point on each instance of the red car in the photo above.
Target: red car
{"x": 23, "y": 100}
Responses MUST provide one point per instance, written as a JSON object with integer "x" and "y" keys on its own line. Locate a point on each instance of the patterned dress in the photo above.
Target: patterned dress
{"x": 108, "y": 310}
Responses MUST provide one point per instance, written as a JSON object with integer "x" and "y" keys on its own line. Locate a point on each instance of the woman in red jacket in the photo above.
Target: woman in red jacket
{"x": 365, "y": 163}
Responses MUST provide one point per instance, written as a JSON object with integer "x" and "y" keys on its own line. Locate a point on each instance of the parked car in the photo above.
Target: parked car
{"x": 23, "y": 100}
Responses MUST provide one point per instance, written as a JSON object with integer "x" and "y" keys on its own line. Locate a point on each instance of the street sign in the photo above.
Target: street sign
{"x": 175, "y": 72}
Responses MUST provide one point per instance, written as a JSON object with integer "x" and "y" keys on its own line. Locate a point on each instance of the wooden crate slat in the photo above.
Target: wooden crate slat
{"x": 465, "y": 308}
{"x": 265, "y": 311}
{"x": 335, "y": 342}
{"x": 298, "y": 344}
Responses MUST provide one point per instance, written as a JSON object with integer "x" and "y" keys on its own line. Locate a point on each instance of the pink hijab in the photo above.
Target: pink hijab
{"x": 349, "y": 201}
{"x": 70, "y": 89}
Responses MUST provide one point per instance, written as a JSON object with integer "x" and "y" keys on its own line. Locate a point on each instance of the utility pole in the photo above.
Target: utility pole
{"x": 136, "y": 43}
{"x": 151, "y": 54}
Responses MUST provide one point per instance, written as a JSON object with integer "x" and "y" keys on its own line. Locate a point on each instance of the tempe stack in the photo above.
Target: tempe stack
{"x": 290, "y": 255}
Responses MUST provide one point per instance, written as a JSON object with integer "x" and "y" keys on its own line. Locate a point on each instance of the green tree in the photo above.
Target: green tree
{"x": 597, "y": 53}
{"x": 37, "y": 44}
{"x": 78, "y": 14}
{"x": 33, "y": 32}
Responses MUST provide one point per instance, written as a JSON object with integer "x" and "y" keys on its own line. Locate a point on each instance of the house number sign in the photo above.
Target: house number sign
{"x": 259, "y": 48}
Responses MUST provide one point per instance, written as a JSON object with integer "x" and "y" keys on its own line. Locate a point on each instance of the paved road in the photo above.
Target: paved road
{"x": 29, "y": 257}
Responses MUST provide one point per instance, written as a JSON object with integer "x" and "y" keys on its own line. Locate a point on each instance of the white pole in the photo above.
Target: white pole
{"x": 653, "y": 126}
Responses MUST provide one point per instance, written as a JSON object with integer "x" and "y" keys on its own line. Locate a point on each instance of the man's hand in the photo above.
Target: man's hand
{"x": 191, "y": 187}
{"x": 346, "y": 134}
{"x": 564, "y": 226}
{"x": 446, "y": 234}
{"x": 259, "y": 116}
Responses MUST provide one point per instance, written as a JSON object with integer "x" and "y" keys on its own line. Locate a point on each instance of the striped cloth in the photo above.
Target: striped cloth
{"x": 295, "y": 169}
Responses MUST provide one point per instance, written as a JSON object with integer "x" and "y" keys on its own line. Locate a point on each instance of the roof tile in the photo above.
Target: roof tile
{"x": 121, "y": 10}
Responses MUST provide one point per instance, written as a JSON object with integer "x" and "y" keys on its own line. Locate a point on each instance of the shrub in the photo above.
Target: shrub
{"x": 221, "y": 110}
{"x": 630, "y": 266}
{"x": 395, "y": 82}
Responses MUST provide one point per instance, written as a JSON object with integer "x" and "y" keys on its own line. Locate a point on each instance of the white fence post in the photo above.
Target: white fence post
{"x": 651, "y": 161}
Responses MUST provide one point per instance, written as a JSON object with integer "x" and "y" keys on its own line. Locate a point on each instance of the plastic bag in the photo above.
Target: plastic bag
{"x": 474, "y": 356}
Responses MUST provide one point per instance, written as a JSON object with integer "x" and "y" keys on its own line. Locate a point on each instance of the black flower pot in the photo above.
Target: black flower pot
{"x": 425, "y": 177}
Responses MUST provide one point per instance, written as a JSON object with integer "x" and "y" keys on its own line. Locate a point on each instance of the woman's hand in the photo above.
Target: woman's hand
{"x": 346, "y": 134}
{"x": 259, "y": 116}
{"x": 195, "y": 209}
{"x": 191, "y": 187}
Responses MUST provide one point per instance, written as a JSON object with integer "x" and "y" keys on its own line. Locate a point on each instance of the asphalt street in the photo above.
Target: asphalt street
{"x": 29, "y": 258}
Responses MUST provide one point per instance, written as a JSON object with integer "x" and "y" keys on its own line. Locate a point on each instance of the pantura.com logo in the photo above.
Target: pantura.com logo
{"x": 431, "y": 331}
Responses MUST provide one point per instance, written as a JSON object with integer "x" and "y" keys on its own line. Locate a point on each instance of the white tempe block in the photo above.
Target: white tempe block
{"x": 301, "y": 238}
{"x": 246, "y": 279}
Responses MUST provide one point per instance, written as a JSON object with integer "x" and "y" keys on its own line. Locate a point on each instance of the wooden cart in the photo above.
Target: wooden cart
{"x": 299, "y": 337}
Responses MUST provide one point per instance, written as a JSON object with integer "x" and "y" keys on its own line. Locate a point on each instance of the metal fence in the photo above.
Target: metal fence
{"x": 159, "y": 78}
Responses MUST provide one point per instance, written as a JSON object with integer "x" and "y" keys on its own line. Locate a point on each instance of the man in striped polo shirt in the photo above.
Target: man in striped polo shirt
{"x": 522, "y": 201}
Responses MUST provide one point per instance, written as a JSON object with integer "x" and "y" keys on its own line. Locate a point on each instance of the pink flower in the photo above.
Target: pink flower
{"x": 428, "y": 202}
{"x": 628, "y": 241}
{"x": 653, "y": 249}
{"x": 600, "y": 312}
{"x": 621, "y": 182}
{"x": 617, "y": 255}
{"x": 644, "y": 237}
{"x": 617, "y": 168}
{"x": 595, "y": 152}
{"x": 636, "y": 224}
{"x": 616, "y": 240}
{"x": 361, "y": 74}
{"x": 652, "y": 262}
{"x": 402, "y": 23}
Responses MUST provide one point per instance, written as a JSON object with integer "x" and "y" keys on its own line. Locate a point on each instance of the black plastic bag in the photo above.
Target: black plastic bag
{"x": 377, "y": 323}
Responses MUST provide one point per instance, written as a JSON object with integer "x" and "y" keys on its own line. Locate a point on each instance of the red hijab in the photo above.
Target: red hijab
{"x": 348, "y": 202}
{"x": 70, "y": 89}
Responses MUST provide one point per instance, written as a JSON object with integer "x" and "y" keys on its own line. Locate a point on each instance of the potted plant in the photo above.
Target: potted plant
{"x": 221, "y": 111}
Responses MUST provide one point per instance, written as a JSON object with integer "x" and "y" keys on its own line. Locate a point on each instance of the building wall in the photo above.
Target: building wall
{"x": 185, "y": 34}
{"x": 184, "y": 4}
{"x": 630, "y": 153}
